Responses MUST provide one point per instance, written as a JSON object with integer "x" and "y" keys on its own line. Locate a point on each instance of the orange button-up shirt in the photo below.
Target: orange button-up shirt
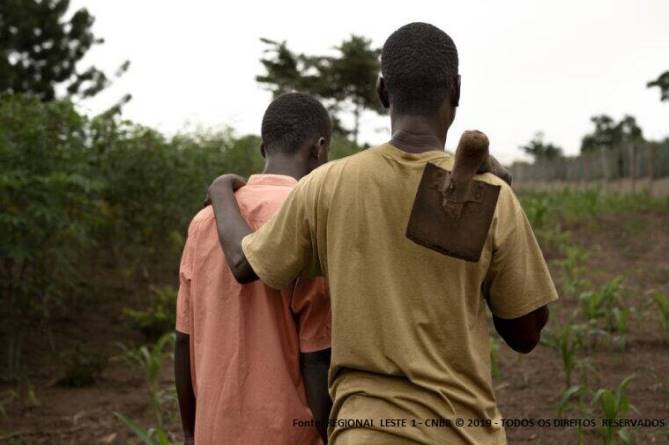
{"x": 245, "y": 340}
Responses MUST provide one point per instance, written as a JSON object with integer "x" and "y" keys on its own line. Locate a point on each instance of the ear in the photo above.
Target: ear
{"x": 262, "y": 150}
{"x": 318, "y": 148}
{"x": 382, "y": 92}
{"x": 319, "y": 151}
{"x": 455, "y": 98}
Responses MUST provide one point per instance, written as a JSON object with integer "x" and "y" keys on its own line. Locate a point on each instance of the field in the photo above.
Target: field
{"x": 603, "y": 354}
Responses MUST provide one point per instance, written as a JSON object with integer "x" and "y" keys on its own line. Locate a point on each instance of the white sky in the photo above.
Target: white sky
{"x": 526, "y": 65}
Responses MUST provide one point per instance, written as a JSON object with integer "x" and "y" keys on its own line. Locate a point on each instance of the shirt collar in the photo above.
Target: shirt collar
{"x": 267, "y": 179}
{"x": 402, "y": 155}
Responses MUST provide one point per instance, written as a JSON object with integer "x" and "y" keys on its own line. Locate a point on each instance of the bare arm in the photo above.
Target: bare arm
{"x": 232, "y": 228}
{"x": 522, "y": 334}
{"x": 315, "y": 366}
{"x": 184, "y": 386}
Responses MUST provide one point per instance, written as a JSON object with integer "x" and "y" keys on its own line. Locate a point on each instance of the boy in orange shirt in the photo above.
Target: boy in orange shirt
{"x": 251, "y": 361}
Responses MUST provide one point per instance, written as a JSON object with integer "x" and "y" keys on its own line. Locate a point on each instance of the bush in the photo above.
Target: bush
{"x": 83, "y": 367}
{"x": 48, "y": 203}
{"x": 79, "y": 192}
{"x": 160, "y": 315}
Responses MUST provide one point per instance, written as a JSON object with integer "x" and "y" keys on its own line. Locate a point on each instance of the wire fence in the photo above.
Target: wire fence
{"x": 646, "y": 160}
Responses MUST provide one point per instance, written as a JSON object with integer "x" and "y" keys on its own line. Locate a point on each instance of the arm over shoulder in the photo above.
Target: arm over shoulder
{"x": 286, "y": 248}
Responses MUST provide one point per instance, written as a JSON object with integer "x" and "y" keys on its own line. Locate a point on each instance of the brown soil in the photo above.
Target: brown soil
{"x": 529, "y": 387}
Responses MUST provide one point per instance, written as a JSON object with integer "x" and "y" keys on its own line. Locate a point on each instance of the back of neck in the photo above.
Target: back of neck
{"x": 417, "y": 134}
{"x": 284, "y": 165}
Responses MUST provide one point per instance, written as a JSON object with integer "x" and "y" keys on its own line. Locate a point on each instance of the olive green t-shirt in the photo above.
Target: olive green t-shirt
{"x": 410, "y": 336}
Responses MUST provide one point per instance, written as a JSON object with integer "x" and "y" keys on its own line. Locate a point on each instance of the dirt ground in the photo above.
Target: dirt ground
{"x": 528, "y": 387}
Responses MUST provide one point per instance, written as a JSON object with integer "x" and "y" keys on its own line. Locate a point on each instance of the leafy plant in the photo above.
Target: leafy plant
{"x": 662, "y": 302}
{"x": 149, "y": 360}
{"x": 159, "y": 317}
{"x": 614, "y": 404}
{"x": 600, "y": 303}
{"x": 151, "y": 436}
{"x": 83, "y": 367}
{"x": 568, "y": 342}
{"x": 6, "y": 399}
{"x": 578, "y": 393}
{"x": 573, "y": 268}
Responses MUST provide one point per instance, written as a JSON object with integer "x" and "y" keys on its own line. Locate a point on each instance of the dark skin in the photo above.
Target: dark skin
{"x": 413, "y": 134}
{"x": 314, "y": 365}
{"x": 184, "y": 384}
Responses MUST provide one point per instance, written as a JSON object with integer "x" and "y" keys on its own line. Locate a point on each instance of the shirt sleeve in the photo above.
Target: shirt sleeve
{"x": 518, "y": 280}
{"x": 285, "y": 248}
{"x": 184, "y": 313}
{"x": 311, "y": 306}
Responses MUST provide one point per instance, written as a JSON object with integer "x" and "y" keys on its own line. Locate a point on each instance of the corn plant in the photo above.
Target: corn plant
{"x": 151, "y": 436}
{"x": 577, "y": 392}
{"x": 568, "y": 342}
{"x": 150, "y": 360}
{"x": 573, "y": 268}
{"x": 599, "y": 304}
{"x": 614, "y": 404}
{"x": 662, "y": 302}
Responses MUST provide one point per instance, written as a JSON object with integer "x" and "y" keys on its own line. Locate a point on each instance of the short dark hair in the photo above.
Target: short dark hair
{"x": 419, "y": 63}
{"x": 291, "y": 119}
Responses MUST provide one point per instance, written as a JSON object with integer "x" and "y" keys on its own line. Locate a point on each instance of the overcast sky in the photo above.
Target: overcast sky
{"x": 526, "y": 66}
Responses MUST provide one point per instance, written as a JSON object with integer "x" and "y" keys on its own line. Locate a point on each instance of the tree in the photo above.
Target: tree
{"x": 539, "y": 149}
{"x": 285, "y": 70}
{"x": 662, "y": 82}
{"x": 345, "y": 82}
{"x": 608, "y": 134}
{"x": 41, "y": 50}
{"x": 349, "y": 79}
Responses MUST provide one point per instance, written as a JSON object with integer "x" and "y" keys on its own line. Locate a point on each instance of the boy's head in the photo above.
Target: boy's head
{"x": 296, "y": 125}
{"x": 419, "y": 66}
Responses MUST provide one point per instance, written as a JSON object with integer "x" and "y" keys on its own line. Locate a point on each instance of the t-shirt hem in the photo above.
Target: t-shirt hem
{"x": 314, "y": 346}
{"x": 182, "y": 327}
{"x": 525, "y": 309}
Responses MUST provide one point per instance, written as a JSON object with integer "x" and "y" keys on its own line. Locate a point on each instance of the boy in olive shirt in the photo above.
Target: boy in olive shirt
{"x": 410, "y": 335}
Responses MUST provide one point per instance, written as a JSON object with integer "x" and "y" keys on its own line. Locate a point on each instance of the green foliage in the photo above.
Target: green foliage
{"x": 662, "y": 302}
{"x": 151, "y": 436}
{"x": 609, "y": 134}
{"x": 153, "y": 186}
{"x": 78, "y": 192}
{"x": 41, "y": 49}
{"x": 158, "y": 317}
{"x": 606, "y": 303}
{"x": 342, "y": 147}
{"x": 149, "y": 360}
{"x": 48, "y": 203}
{"x": 7, "y": 398}
{"x": 614, "y": 404}
{"x": 568, "y": 395}
{"x": 541, "y": 150}
{"x": 83, "y": 367}
{"x": 345, "y": 82}
{"x": 662, "y": 82}
{"x": 573, "y": 268}
{"x": 572, "y": 205}
{"x": 568, "y": 342}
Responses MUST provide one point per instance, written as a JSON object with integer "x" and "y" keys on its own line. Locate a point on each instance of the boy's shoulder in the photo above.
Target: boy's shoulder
{"x": 201, "y": 219}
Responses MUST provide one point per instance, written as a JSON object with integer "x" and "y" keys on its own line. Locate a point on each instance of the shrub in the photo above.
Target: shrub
{"x": 159, "y": 317}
